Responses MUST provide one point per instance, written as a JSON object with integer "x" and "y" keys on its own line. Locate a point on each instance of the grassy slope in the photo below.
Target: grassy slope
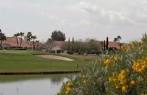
{"x": 25, "y": 61}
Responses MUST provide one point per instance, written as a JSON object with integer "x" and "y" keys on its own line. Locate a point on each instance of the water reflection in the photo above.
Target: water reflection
{"x": 35, "y": 85}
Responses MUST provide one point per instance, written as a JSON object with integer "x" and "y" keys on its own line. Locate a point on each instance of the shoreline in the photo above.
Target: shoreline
{"x": 39, "y": 73}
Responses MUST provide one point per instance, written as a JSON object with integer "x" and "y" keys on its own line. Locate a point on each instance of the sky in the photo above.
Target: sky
{"x": 80, "y": 19}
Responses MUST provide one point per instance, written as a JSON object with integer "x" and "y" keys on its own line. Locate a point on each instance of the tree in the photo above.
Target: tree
{"x": 16, "y": 35}
{"x": 2, "y": 38}
{"x": 29, "y": 36}
{"x": 104, "y": 45}
{"x": 33, "y": 38}
{"x": 93, "y": 46}
{"x": 90, "y": 46}
{"x": 49, "y": 44}
{"x": 117, "y": 39}
{"x": 57, "y": 35}
{"x": 107, "y": 43}
{"x": 37, "y": 43}
{"x": 21, "y": 35}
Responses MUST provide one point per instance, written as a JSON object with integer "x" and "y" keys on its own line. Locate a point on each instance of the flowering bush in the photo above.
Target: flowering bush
{"x": 120, "y": 73}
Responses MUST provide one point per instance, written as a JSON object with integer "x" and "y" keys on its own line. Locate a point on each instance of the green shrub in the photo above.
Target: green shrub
{"x": 122, "y": 73}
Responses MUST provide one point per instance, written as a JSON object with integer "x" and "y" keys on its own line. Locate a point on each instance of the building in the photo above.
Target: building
{"x": 56, "y": 46}
{"x": 114, "y": 45}
{"x": 13, "y": 42}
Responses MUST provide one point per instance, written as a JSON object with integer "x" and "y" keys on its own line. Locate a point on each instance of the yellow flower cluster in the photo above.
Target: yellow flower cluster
{"x": 121, "y": 81}
{"x": 111, "y": 59}
{"x": 140, "y": 65}
{"x": 131, "y": 46}
{"x": 125, "y": 48}
{"x": 68, "y": 87}
{"x": 107, "y": 61}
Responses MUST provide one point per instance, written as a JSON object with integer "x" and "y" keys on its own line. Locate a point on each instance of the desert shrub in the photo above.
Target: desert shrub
{"x": 122, "y": 73}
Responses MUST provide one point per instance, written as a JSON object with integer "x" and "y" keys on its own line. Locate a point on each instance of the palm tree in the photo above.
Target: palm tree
{"x": 117, "y": 39}
{"x": 37, "y": 44}
{"x": 29, "y": 36}
{"x": 21, "y": 35}
{"x": 33, "y": 38}
{"x": 16, "y": 35}
{"x": 2, "y": 38}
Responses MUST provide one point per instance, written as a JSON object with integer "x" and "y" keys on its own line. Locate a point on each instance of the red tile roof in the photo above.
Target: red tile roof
{"x": 116, "y": 45}
{"x": 12, "y": 42}
{"x": 113, "y": 45}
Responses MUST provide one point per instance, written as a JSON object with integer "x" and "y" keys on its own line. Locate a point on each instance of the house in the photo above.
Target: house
{"x": 13, "y": 42}
{"x": 114, "y": 45}
{"x": 56, "y": 46}
{"x": 10, "y": 42}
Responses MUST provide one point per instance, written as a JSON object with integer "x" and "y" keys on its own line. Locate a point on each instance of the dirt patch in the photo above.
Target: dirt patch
{"x": 55, "y": 57}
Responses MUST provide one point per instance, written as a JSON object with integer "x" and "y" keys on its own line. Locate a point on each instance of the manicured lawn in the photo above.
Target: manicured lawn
{"x": 22, "y": 61}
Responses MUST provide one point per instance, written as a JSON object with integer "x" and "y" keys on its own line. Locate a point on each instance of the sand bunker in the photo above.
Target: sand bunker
{"x": 55, "y": 57}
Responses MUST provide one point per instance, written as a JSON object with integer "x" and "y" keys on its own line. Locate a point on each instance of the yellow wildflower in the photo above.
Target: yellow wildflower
{"x": 139, "y": 65}
{"x": 68, "y": 87}
{"x": 125, "y": 48}
{"x": 107, "y": 61}
{"x": 110, "y": 79}
{"x": 69, "y": 84}
{"x": 132, "y": 82}
{"x": 124, "y": 88}
{"x": 116, "y": 58}
{"x": 122, "y": 75}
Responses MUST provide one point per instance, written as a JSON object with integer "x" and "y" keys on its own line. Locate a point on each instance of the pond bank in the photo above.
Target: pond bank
{"x": 39, "y": 73}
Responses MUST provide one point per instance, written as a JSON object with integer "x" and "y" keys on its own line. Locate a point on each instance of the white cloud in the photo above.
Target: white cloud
{"x": 78, "y": 18}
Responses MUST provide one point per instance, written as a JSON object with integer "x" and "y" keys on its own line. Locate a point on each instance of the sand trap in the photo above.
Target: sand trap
{"x": 55, "y": 57}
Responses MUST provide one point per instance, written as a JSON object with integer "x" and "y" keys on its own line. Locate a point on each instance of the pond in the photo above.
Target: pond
{"x": 32, "y": 85}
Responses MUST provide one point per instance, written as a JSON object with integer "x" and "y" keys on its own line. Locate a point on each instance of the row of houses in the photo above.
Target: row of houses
{"x": 55, "y": 45}
{"x": 13, "y": 42}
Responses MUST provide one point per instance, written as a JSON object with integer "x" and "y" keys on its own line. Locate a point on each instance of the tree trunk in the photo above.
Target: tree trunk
{"x": 20, "y": 41}
{"x": 33, "y": 45}
{"x": 107, "y": 43}
{"x": 17, "y": 41}
{"x": 1, "y": 44}
{"x": 104, "y": 45}
{"x": 120, "y": 45}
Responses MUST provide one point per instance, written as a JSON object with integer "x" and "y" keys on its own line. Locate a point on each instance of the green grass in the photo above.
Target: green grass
{"x": 21, "y": 61}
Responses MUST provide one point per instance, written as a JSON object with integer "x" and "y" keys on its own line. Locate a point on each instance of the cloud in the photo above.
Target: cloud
{"x": 104, "y": 16}
{"x": 78, "y": 18}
